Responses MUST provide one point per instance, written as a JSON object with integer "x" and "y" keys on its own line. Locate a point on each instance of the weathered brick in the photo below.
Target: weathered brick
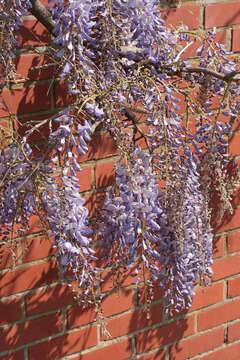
{"x": 36, "y": 248}
{"x": 163, "y": 335}
{"x": 48, "y": 299}
{"x": 26, "y": 100}
{"x": 118, "y": 302}
{"x": 234, "y": 287}
{"x": 225, "y": 14}
{"x": 100, "y": 147}
{"x": 197, "y": 345}
{"x": 233, "y": 332}
{"x": 65, "y": 344}
{"x": 230, "y": 352}
{"x": 218, "y": 246}
{"x": 209, "y": 295}
{"x": 77, "y": 316}
{"x": 134, "y": 321}
{"x": 236, "y": 40}
{"x": 29, "y": 277}
{"x": 119, "y": 351}
{"x": 10, "y": 310}
{"x": 226, "y": 267}
{"x": 24, "y": 333}
{"x": 27, "y": 67}
{"x": 219, "y": 315}
{"x": 32, "y": 33}
{"x": 233, "y": 242}
{"x": 94, "y": 203}
{"x": 234, "y": 148}
{"x": 192, "y": 49}
{"x": 189, "y": 15}
{"x": 19, "y": 355}
{"x": 157, "y": 355}
{"x": 104, "y": 174}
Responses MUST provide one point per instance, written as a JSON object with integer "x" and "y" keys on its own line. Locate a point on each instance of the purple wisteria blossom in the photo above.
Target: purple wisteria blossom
{"x": 68, "y": 220}
{"x": 11, "y": 13}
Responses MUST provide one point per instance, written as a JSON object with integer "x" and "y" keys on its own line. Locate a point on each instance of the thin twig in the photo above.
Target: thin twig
{"x": 44, "y": 16}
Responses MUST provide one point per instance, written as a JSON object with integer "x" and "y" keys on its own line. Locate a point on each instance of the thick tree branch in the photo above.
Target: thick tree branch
{"x": 43, "y": 15}
{"x": 198, "y": 69}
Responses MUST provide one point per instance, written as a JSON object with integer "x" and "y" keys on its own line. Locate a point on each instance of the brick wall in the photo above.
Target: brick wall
{"x": 38, "y": 319}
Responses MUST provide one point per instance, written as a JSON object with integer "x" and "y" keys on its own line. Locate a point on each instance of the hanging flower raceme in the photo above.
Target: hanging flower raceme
{"x": 11, "y": 13}
{"x": 188, "y": 237}
{"x": 129, "y": 216}
{"x": 20, "y": 176}
{"x": 168, "y": 239}
{"x": 70, "y": 139}
{"x": 68, "y": 221}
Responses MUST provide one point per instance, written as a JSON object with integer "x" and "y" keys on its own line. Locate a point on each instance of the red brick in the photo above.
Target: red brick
{"x": 158, "y": 355}
{"x": 7, "y": 257}
{"x": 236, "y": 40}
{"x": 19, "y": 355}
{"x": 222, "y": 14}
{"x": 219, "y": 315}
{"x": 192, "y": 49}
{"x": 32, "y": 33}
{"x": 233, "y": 332}
{"x": 29, "y": 331}
{"x": 124, "y": 279}
{"x": 28, "y": 99}
{"x": 10, "y": 310}
{"x": 104, "y": 174}
{"x": 25, "y": 67}
{"x": 77, "y": 316}
{"x": 36, "y": 248}
{"x": 94, "y": 203}
{"x": 134, "y": 321}
{"x": 164, "y": 335}
{"x": 233, "y": 242}
{"x": 218, "y": 246}
{"x": 118, "y": 302}
{"x": 34, "y": 225}
{"x": 100, "y": 147}
{"x": 234, "y": 287}
{"x": 234, "y": 148}
{"x": 197, "y": 345}
{"x": 158, "y": 294}
{"x": 29, "y": 277}
{"x": 226, "y": 267}
{"x": 230, "y": 352}
{"x": 118, "y": 351}
{"x": 209, "y": 295}
{"x": 48, "y": 299}
{"x": 65, "y": 345}
{"x": 62, "y": 96}
{"x": 40, "y": 134}
{"x": 85, "y": 178}
{"x": 189, "y": 15}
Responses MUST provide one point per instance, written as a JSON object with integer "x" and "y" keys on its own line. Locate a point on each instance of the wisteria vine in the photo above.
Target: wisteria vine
{"x": 171, "y": 119}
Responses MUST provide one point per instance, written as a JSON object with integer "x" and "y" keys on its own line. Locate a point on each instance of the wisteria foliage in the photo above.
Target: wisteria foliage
{"x": 171, "y": 119}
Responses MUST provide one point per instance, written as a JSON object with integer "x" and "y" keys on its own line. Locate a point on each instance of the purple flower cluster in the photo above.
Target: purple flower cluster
{"x": 11, "y": 13}
{"x": 67, "y": 217}
{"x": 167, "y": 237}
{"x": 70, "y": 138}
{"x": 19, "y": 179}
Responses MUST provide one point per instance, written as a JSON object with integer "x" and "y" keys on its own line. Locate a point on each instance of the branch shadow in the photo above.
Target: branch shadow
{"x": 47, "y": 306}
